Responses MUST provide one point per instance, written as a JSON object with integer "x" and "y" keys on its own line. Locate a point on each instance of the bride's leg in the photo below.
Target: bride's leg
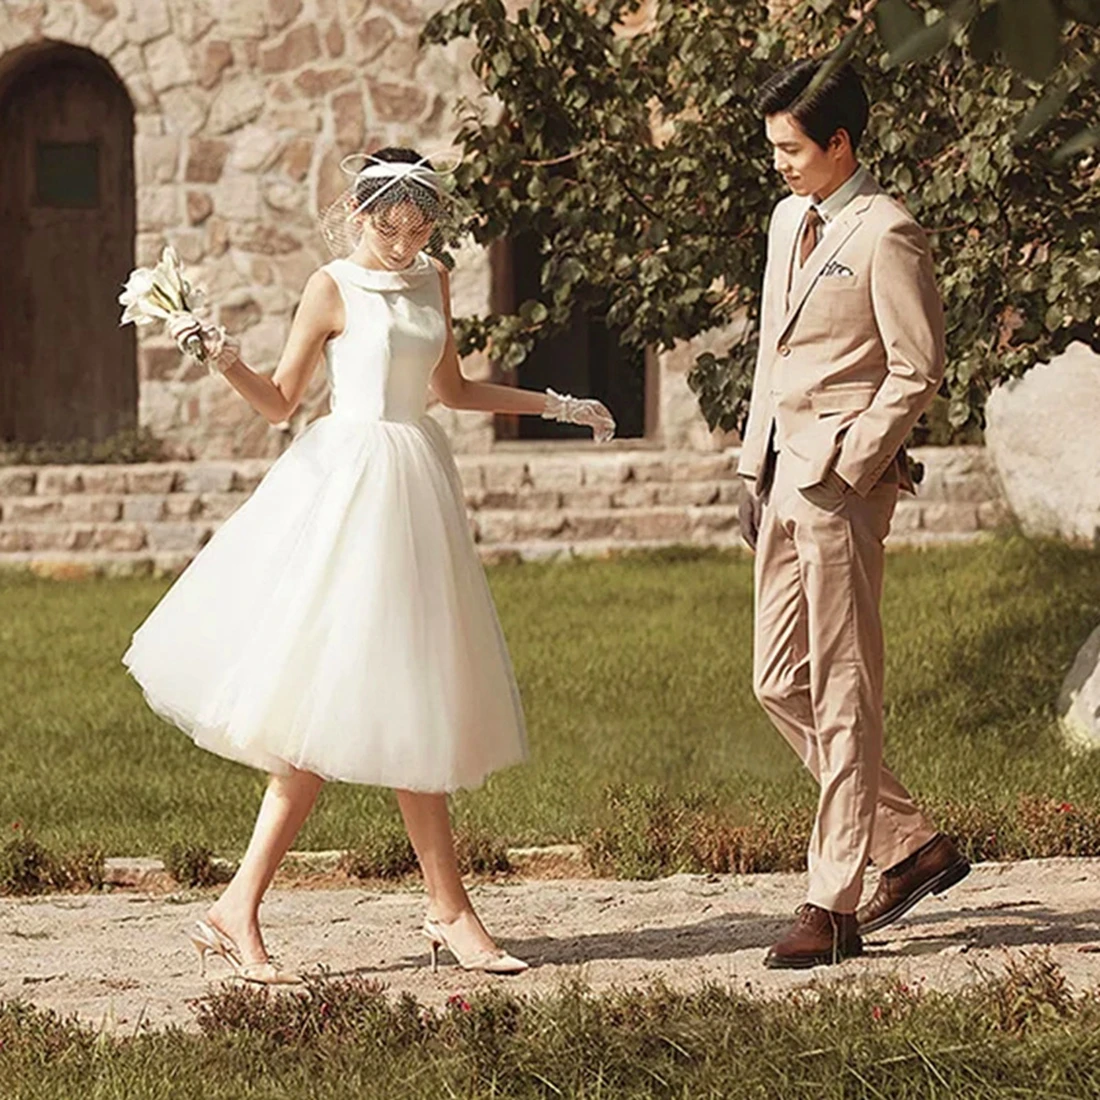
{"x": 428, "y": 822}
{"x": 285, "y": 807}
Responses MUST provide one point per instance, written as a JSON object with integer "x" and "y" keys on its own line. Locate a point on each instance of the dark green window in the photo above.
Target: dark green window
{"x": 67, "y": 173}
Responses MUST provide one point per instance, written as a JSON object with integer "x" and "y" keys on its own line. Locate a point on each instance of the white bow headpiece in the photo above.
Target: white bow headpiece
{"x": 394, "y": 170}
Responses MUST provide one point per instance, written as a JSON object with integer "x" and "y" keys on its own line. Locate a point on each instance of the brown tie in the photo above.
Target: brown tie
{"x": 811, "y": 234}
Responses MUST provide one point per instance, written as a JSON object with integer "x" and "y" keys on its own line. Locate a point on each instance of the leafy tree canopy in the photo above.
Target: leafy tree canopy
{"x": 639, "y": 163}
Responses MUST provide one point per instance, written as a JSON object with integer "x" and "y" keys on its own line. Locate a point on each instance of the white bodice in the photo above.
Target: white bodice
{"x": 394, "y": 333}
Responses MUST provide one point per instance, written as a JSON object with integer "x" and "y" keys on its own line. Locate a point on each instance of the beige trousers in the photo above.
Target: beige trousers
{"x": 818, "y": 671}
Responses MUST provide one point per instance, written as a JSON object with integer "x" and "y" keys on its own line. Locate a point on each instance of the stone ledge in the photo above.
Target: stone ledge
{"x": 78, "y": 565}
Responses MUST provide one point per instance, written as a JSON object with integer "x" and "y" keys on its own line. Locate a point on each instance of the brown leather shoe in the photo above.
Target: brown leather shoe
{"x": 931, "y": 869}
{"x": 818, "y": 938}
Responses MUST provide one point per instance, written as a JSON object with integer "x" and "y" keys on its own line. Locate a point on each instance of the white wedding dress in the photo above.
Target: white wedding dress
{"x": 340, "y": 620}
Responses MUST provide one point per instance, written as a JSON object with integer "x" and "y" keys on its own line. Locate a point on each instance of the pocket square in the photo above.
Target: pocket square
{"x": 837, "y": 270}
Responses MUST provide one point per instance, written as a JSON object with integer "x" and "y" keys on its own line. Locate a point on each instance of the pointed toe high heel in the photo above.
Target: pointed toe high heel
{"x": 207, "y": 940}
{"x": 488, "y": 962}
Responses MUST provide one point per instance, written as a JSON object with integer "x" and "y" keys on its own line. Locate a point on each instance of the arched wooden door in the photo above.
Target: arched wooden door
{"x": 67, "y": 370}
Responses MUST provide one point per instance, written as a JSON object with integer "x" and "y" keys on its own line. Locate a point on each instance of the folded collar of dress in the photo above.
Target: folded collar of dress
{"x": 372, "y": 278}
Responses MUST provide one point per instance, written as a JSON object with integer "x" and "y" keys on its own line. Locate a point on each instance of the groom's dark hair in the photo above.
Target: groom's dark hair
{"x": 840, "y": 103}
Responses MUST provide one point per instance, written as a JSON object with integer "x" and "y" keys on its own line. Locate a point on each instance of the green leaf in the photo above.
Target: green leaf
{"x": 836, "y": 59}
{"x": 1084, "y": 11}
{"x": 1051, "y": 102}
{"x": 533, "y": 312}
{"x": 922, "y": 44}
{"x": 896, "y": 22}
{"x": 1030, "y": 36}
{"x": 1079, "y": 143}
{"x": 983, "y": 35}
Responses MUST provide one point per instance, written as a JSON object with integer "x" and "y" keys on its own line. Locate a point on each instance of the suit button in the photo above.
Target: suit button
{"x": 784, "y": 350}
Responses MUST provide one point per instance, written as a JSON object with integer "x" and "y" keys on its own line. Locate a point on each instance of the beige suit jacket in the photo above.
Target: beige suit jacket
{"x": 847, "y": 362}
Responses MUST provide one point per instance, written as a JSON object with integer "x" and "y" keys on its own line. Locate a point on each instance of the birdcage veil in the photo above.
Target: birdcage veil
{"x": 401, "y": 196}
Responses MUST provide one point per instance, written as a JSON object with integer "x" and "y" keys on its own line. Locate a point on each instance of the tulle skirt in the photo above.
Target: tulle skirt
{"x": 340, "y": 621}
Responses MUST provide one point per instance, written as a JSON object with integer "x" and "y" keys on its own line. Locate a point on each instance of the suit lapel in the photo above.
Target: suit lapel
{"x": 805, "y": 278}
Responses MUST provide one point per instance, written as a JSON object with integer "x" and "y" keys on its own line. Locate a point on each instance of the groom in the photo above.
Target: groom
{"x": 851, "y": 353}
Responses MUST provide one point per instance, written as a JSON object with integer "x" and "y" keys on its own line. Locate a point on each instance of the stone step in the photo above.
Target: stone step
{"x": 154, "y": 516}
{"x": 664, "y": 524}
{"x": 158, "y": 530}
{"x": 75, "y": 565}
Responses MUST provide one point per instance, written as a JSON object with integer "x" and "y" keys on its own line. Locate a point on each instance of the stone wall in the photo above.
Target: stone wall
{"x": 73, "y": 520}
{"x": 243, "y": 111}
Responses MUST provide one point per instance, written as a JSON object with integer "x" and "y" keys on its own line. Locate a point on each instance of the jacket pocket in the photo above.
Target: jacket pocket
{"x": 843, "y": 398}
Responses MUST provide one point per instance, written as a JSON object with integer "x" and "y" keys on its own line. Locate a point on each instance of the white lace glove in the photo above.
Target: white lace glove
{"x": 580, "y": 410}
{"x": 220, "y": 348}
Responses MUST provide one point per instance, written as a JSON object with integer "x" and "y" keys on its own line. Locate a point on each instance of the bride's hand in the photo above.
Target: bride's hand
{"x": 221, "y": 349}
{"x": 595, "y": 415}
{"x": 181, "y": 327}
{"x": 586, "y": 411}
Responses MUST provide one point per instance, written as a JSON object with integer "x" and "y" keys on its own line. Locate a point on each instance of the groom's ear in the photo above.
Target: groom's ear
{"x": 840, "y": 142}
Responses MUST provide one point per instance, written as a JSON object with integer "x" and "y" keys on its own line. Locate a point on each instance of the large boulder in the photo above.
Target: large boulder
{"x": 1043, "y": 435}
{"x": 1079, "y": 701}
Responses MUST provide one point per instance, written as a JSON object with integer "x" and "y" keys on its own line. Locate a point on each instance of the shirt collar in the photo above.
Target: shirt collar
{"x": 830, "y": 207}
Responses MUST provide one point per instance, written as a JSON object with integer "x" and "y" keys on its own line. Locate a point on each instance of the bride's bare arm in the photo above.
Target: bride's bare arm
{"x": 320, "y": 315}
{"x": 457, "y": 391}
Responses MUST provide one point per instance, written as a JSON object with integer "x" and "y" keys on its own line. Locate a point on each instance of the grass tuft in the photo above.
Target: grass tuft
{"x": 194, "y": 865}
{"x": 646, "y": 832}
{"x": 1021, "y": 1033}
{"x": 29, "y": 867}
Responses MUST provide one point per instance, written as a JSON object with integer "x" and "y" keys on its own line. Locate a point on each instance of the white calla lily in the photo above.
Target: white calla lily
{"x": 156, "y": 293}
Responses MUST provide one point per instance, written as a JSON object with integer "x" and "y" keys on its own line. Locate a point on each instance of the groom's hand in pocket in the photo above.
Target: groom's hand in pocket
{"x": 749, "y": 517}
{"x": 828, "y": 494}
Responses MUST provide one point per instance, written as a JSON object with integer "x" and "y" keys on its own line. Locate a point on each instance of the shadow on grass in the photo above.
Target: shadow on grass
{"x": 1042, "y": 601}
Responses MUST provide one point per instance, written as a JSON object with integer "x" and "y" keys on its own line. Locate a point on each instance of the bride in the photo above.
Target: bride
{"x": 338, "y": 626}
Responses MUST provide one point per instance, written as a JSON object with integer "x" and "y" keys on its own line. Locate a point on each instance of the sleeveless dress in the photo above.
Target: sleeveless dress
{"x": 340, "y": 620}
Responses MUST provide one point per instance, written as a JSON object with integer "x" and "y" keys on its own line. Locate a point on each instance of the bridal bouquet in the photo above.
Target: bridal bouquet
{"x": 156, "y": 293}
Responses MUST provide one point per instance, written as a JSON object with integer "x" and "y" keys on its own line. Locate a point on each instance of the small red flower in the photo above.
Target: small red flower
{"x": 876, "y": 1014}
{"x": 17, "y": 825}
{"x": 1066, "y": 808}
{"x": 324, "y": 1008}
{"x": 456, "y": 1000}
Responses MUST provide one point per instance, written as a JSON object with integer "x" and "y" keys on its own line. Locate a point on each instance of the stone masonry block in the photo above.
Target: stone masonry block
{"x": 177, "y": 536}
{"x": 206, "y": 477}
{"x": 119, "y": 537}
{"x": 32, "y": 509}
{"x": 608, "y": 472}
{"x": 86, "y": 508}
{"x": 950, "y": 518}
{"x": 219, "y": 506}
{"x": 150, "y": 478}
{"x": 143, "y": 507}
{"x": 655, "y": 525}
{"x": 103, "y": 480}
{"x": 511, "y": 474}
{"x": 586, "y": 499}
{"x": 59, "y": 480}
{"x": 16, "y": 482}
{"x": 553, "y": 473}
{"x": 635, "y": 495}
{"x": 684, "y": 493}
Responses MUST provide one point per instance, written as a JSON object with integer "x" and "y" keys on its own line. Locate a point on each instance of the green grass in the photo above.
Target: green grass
{"x": 633, "y": 672}
{"x": 1021, "y": 1035}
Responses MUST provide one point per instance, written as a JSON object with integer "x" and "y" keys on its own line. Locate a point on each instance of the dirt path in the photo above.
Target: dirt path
{"x": 121, "y": 959}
